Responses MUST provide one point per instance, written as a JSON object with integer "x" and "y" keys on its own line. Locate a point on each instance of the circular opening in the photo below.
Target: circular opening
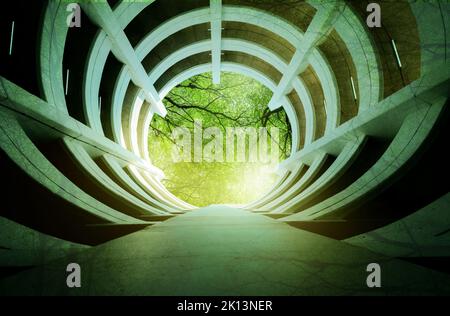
{"x": 219, "y": 144}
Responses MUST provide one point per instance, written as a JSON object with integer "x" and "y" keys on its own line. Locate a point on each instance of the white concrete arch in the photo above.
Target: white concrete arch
{"x": 278, "y": 188}
{"x": 229, "y": 13}
{"x": 244, "y": 15}
{"x": 343, "y": 161}
{"x": 100, "y": 49}
{"x": 259, "y": 18}
{"x": 350, "y": 26}
{"x": 230, "y": 67}
{"x": 15, "y": 142}
{"x": 232, "y": 45}
{"x": 291, "y": 32}
{"x": 228, "y": 44}
{"x": 413, "y": 133}
{"x": 54, "y": 30}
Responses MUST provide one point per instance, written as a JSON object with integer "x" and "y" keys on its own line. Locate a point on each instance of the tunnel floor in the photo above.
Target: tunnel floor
{"x": 224, "y": 251}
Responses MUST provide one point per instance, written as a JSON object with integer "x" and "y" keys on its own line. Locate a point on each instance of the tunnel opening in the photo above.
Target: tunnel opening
{"x": 219, "y": 144}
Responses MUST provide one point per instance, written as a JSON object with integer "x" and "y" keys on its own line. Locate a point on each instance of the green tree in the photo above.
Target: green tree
{"x": 237, "y": 102}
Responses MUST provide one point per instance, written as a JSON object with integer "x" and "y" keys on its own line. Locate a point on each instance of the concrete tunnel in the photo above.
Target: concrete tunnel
{"x": 366, "y": 182}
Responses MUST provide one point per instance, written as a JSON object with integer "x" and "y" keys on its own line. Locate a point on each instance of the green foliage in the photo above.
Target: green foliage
{"x": 237, "y": 102}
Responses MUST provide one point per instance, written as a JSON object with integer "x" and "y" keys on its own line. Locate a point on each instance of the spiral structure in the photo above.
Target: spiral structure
{"x": 367, "y": 106}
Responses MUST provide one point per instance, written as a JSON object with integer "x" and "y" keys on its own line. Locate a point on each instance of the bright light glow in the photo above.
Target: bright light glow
{"x": 67, "y": 81}
{"x": 399, "y": 62}
{"x": 11, "y": 39}
{"x": 238, "y": 101}
{"x": 354, "y": 89}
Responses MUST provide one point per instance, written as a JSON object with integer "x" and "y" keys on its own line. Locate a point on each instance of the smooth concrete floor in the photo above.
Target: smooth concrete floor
{"x": 225, "y": 251}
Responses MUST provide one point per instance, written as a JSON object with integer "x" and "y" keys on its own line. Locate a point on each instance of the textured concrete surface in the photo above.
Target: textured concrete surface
{"x": 424, "y": 233}
{"x": 224, "y": 251}
{"x": 21, "y": 246}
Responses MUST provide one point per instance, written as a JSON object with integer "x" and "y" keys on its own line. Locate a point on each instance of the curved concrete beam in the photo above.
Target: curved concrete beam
{"x": 344, "y": 161}
{"x": 299, "y": 186}
{"x": 227, "y": 44}
{"x": 105, "y": 183}
{"x": 15, "y": 142}
{"x": 411, "y": 136}
{"x": 100, "y": 49}
{"x": 277, "y": 190}
{"x": 153, "y": 187}
{"x": 309, "y": 138}
{"x": 244, "y": 15}
{"x": 51, "y": 53}
{"x": 231, "y": 67}
{"x": 130, "y": 185}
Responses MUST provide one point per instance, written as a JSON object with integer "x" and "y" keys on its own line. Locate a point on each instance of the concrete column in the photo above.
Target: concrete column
{"x": 300, "y": 185}
{"x": 101, "y": 14}
{"x": 414, "y": 132}
{"x": 342, "y": 163}
{"x": 87, "y": 166}
{"x": 35, "y": 110}
{"x": 319, "y": 28}
{"x": 383, "y": 120}
{"x": 18, "y": 146}
{"x": 216, "y": 38}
